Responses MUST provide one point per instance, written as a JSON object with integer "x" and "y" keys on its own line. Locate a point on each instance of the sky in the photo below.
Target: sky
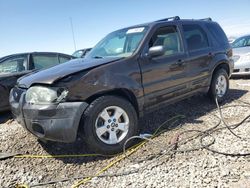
{"x": 44, "y": 25}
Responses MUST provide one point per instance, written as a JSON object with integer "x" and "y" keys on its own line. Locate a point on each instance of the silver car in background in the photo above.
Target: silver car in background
{"x": 241, "y": 55}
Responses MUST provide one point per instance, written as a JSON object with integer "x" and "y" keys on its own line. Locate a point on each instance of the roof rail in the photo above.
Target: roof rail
{"x": 207, "y": 19}
{"x": 170, "y": 18}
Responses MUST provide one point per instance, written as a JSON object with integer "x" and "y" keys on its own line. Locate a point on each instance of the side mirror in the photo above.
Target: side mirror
{"x": 156, "y": 51}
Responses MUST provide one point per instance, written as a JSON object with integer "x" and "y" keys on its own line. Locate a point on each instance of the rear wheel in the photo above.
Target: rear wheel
{"x": 219, "y": 85}
{"x": 108, "y": 122}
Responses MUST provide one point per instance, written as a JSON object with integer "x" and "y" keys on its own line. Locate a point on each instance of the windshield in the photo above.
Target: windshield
{"x": 241, "y": 42}
{"x": 122, "y": 43}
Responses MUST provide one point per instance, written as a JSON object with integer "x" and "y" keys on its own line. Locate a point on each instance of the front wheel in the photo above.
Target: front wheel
{"x": 219, "y": 85}
{"x": 108, "y": 122}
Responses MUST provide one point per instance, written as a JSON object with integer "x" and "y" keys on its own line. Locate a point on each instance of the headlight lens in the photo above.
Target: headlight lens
{"x": 45, "y": 95}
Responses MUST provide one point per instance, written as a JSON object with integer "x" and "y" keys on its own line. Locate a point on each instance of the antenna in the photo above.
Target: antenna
{"x": 73, "y": 34}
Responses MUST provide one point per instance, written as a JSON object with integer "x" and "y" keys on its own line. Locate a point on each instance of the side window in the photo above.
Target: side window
{"x": 195, "y": 37}
{"x": 63, "y": 59}
{"x": 168, "y": 37}
{"x": 13, "y": 65}
{"x": 217, "y": 33}
{"x": 44, "y": 61}
{"x": 248, "y": 42}
{"x": 132, "y": 42}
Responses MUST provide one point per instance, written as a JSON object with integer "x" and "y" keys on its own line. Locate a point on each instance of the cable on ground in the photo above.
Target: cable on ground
{"x": 169, "y": 150}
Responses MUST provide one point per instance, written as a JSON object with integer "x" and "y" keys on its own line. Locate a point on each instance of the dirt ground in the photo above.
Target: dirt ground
{"x": 152, "y": 165}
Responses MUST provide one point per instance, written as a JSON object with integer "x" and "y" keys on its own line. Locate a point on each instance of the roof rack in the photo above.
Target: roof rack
{"x": 207, "y": 19}
{"x": 170, "y": 18}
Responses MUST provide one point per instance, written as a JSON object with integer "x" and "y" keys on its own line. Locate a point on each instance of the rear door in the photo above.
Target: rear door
{"x": 10, "y": 70}
{"x": 200, "y": 55}
{"x": 164, "y": 77}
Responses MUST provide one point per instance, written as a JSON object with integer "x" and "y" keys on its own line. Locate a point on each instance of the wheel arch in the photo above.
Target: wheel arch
{"x": 224, "y": 65}
{"x": 221, "y": 64}
{"x": 119, "y": 92}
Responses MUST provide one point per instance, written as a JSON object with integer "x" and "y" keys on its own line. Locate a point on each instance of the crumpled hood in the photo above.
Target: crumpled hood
{"x": 49, "y": 76}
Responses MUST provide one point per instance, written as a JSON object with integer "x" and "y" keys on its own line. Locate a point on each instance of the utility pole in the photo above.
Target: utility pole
{"x": 73, "y": 34}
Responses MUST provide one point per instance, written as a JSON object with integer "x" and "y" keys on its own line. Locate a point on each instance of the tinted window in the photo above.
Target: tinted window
{"x": 15, "y": 64}
{"x": 44, "y": 61}
{"x": 195, "y": 37}
{"x": 63, "y": 59}
{"x": 241, "y": 42}
{"x": 167, "y": 37}
{"x": 217, "y": 33}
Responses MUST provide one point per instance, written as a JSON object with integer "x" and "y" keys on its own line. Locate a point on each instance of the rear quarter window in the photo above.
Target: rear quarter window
{"x": 195, "y": 36}
{"x": 217, "y": 33}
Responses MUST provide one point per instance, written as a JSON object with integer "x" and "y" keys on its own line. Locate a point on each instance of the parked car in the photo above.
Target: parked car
{"x": 14, "y": 66}
{"x": 129, "y": 73}
{"x": 231, "y": 39}
{"x": 81, "y": 53}
{"x": 241, "y": 55}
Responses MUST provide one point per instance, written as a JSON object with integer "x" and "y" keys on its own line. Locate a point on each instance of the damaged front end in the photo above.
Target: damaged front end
{"x": 44, "y": 112}
{"x": 43, "y": 102}
{"x": 50, "y": 103}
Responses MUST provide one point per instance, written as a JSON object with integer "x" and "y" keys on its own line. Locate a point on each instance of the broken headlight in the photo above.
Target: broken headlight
{"x": 45, "y": 95}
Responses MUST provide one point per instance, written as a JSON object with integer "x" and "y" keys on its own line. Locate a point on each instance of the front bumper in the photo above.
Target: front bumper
{"x": 56, "y": 122}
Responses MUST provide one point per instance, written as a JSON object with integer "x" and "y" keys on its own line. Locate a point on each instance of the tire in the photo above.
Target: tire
{"x": 223, "y": 89}
{"x": 101, "y": 141}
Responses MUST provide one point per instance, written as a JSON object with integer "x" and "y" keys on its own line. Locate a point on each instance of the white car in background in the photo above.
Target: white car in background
{"x": 231, "y": 39}
{"x": 241, "y": 55}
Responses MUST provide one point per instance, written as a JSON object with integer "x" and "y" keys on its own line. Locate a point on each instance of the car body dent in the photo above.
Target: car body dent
{"x": 51, "y": 75}
{"x": 105, "y": 79}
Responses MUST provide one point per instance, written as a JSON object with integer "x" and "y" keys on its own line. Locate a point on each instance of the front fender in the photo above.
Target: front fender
{"x": 118, "y": 75}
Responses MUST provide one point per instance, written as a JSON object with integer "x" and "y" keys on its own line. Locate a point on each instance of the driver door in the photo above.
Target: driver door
{"x": 164, "y": 76}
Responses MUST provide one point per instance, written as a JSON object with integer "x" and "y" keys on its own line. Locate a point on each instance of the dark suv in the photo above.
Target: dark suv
{"x": 130, "y": 72}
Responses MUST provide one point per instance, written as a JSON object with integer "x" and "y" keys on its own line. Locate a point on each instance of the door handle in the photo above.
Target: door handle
{"x": 180, "y": 62}
{"x": 210, "y": 54}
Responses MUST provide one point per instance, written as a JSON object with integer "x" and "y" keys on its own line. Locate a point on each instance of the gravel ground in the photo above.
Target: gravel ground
{"x": 152, "y": 165}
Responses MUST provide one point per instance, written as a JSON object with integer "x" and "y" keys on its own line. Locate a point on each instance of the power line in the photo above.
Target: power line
{"x": 73, "y": 34}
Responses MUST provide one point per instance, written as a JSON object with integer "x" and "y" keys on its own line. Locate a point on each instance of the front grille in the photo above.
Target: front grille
{"x": 236, "y": 70}
{"x": 17, "y": 92}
